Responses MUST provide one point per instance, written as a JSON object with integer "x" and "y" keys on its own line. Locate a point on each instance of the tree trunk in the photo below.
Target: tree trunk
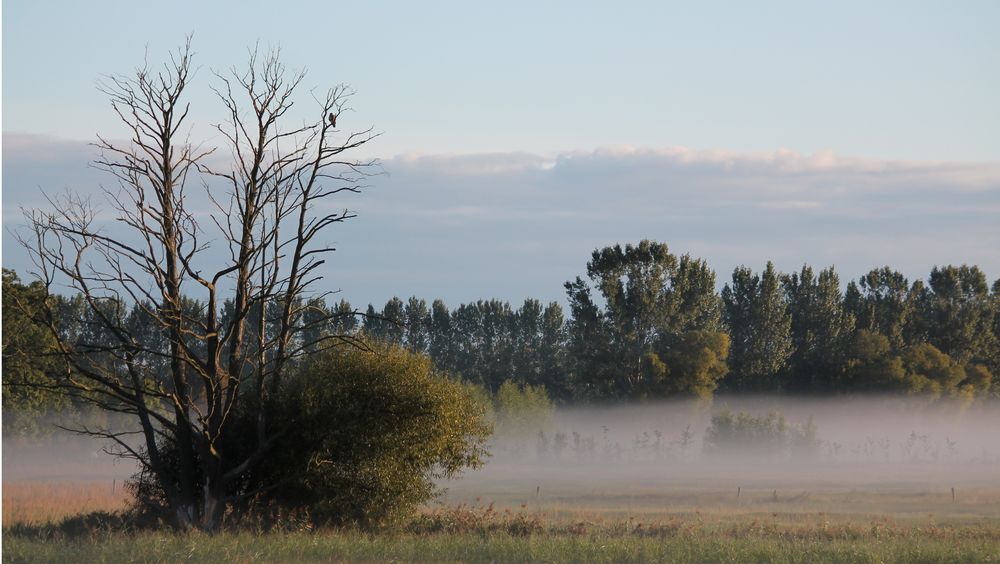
{"x": 213, "y": 507}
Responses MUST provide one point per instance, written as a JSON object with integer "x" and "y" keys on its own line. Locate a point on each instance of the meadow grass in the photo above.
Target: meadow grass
{"x": 759, "y": 530}
{"x": 600, "y": 546}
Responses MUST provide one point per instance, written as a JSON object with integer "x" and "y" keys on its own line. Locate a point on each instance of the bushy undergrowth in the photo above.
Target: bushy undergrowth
{"x": 368, "y": 431}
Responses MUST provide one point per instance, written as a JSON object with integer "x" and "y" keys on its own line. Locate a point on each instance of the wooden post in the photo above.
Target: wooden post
{"x": 953, "y": 495}
{"x": 738, "y": 492}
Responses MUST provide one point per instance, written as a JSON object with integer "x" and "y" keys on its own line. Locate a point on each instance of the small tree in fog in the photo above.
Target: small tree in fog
{"x": 759, "y": 435}
{"x": 522, "y": 410}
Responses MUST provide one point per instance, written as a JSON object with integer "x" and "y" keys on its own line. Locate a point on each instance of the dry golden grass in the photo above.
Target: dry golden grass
{"x": 36, "y": 502}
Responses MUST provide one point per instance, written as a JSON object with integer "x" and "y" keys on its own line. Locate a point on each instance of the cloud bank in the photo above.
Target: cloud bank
{"x": 513, "y": 225}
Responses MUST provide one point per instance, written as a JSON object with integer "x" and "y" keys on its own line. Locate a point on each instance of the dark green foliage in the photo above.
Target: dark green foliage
{"x": 315, "y": 326}
{"x": 821, "y": 329}
{"x": 760, "y": 330}
{"x": 538, "y": 346}
{"x": 442, "y": 344}
{"x": 388, "y": 325}
{"x": 652, "y": 300}
{"x": 883, "y": 301}
{"x": 417, "y": 325}
{"x": 485, "y": 342}
{"x": 958, "y": 313}
{"x": 590, "y": 345}
{"x": 527, "y": 343}
{"x": 29, "y": 365}
{"x": 870, "y": 364}
{"x": 552, "y": 353}
{"x": 483, "y": 333}
{"x": 647, "y": 324}
{"x": 344, "y": 320}
{"x": 366, "y": 433}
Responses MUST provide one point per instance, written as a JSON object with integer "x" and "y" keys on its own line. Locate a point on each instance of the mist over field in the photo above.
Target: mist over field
{"x": 887, "y": 444}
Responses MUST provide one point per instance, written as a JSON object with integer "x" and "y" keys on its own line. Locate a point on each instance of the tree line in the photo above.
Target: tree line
{"x": 645, "y": 323}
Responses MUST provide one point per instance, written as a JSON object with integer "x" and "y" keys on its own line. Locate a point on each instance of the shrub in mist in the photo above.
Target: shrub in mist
{"x": 765, "y": 435}
{"x": 522, "y": 410}
{"x": 368, "y": 431}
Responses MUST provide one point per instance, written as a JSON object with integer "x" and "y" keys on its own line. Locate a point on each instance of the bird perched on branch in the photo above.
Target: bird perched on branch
{"x": 333, "y": 119}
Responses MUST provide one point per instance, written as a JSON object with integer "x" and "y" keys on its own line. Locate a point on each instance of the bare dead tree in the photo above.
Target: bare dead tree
{"x": 270, "y": 216}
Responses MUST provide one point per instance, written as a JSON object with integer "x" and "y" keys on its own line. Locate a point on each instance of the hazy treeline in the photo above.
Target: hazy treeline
{"x": 645, "y": 323}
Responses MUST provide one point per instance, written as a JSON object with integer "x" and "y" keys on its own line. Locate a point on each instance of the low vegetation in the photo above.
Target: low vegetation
{"x": 768, "y": 435}
{"x": 373, "y": 428}
{"x": 482, "y": 533}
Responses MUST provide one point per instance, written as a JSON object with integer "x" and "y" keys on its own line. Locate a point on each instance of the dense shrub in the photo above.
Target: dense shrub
{"x": 368, "y": 433}
{"x": 766, "y": 435}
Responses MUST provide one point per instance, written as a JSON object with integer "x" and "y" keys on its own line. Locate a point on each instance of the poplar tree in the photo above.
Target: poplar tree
{"x": 760, "y": 330}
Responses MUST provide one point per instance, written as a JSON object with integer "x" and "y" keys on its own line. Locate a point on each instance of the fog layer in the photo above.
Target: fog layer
{"x": 884, "y": 443}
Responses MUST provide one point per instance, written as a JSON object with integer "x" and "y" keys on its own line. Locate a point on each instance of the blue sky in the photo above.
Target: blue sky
{"x": 520, "y": 135}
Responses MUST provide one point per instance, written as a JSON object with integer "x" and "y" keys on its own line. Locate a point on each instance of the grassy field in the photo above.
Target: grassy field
{"x": 552, "y": 511}
{"x": 686, "y": 546}
{"x": 682, "y": 525}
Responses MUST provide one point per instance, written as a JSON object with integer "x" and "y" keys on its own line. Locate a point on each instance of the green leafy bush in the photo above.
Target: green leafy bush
{"x": 368, "y": 431}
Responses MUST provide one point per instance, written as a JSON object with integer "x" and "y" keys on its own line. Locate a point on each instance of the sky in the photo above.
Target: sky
{"x": 519, "y": 136}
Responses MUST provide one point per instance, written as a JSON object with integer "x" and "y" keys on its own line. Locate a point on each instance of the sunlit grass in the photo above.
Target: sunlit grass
{"x": 601, "y": 546}
{"x": 29, "y": 502}
{"x": 707, "y": 527}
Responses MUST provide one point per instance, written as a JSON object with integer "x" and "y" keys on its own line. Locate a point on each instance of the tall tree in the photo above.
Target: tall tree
{"x": 592, "y": 354}
{"x": 343, "y": 319}
{"x": 373, "y": 323}
{"x": 760, "y": 330}
{"x": 820, "y": 328}
{"x": 394, "y": 321}
{"x": 418, "y": 319}
{"x": 527, "y": 343}
{"x": 958, "y": 313}
{"x": 651, "y": 301}
{"x": 272, "y": 211}
{"x": 552, "y": 351}
{"x": 442, "y": 341}
{"x": 884, "y": 302}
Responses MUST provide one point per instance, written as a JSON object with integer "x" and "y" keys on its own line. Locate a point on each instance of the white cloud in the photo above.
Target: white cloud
{"x": 518, "y": 224}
